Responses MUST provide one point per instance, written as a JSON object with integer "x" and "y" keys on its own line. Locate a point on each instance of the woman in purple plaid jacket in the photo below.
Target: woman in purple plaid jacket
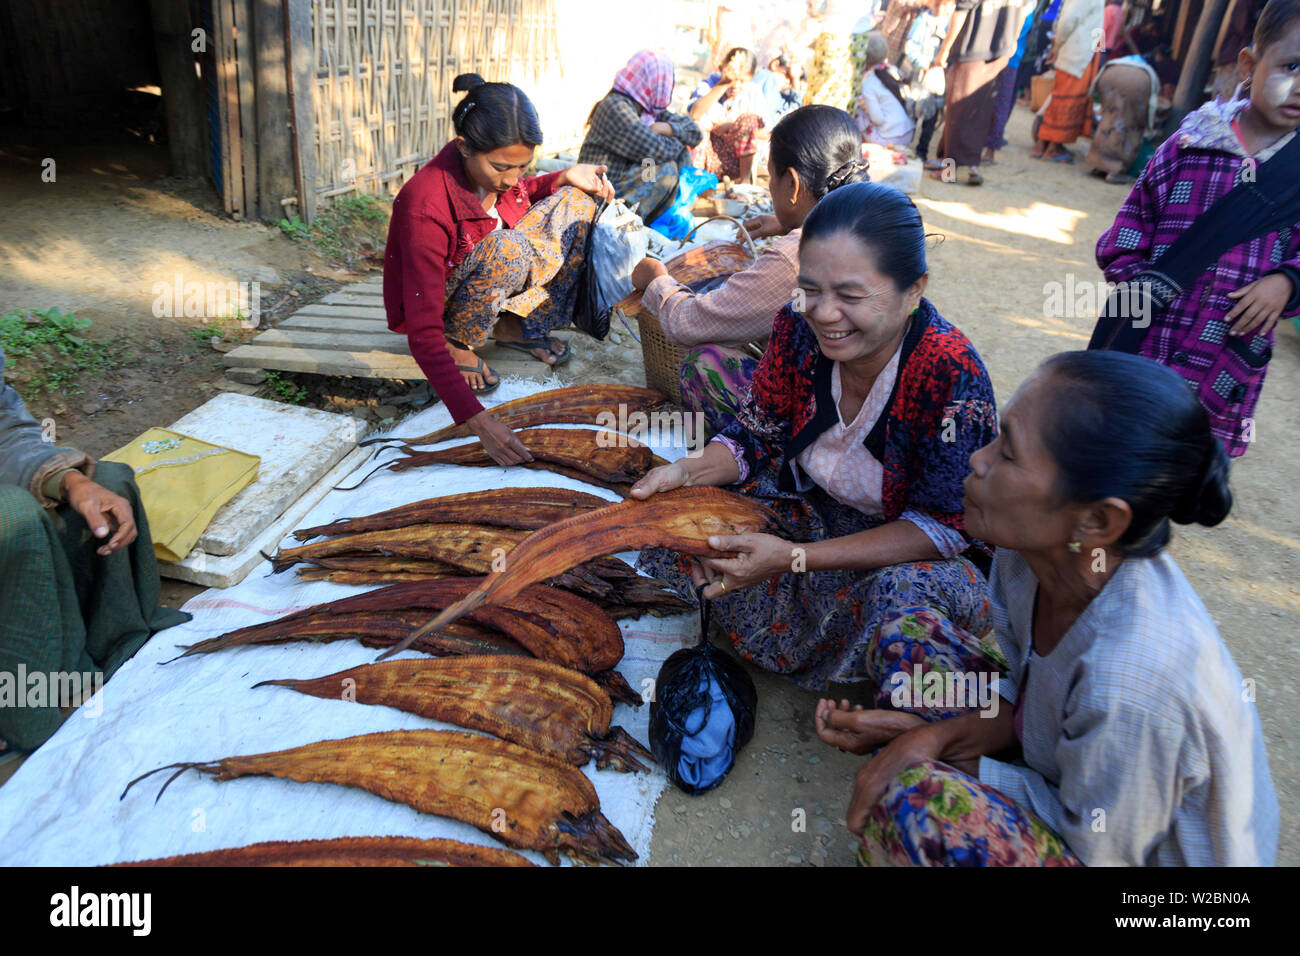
{"x": 1218, "y": 334}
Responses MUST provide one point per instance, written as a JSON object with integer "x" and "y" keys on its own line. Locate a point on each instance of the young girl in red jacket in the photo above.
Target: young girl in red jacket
{"x": 477, "y": 250}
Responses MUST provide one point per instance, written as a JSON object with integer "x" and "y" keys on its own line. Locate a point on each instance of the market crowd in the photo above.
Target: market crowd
{"x": 943, "y": 535}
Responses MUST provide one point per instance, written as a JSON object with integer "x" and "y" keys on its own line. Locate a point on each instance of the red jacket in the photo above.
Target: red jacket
{"x": 437, "y": 219}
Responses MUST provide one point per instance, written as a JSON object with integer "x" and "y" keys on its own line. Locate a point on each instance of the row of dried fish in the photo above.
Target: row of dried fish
{"x": 544, "y": 622}
{"x": 683, "y": 519}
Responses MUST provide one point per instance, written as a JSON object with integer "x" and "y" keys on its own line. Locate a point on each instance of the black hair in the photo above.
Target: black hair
{"x": 493, "y": 116}
{"x": 821, "y": 143}
{"x": 751, "y": 58}
{"x": 882, "y": 219}
{"x": 1278, "y": 15}
{"x": 1127, "y": 427}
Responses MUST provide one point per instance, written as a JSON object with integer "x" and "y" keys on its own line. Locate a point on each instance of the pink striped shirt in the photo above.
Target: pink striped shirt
{"x": 740, "y": 311}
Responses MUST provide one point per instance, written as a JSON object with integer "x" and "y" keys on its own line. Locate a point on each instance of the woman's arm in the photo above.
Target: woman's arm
{"x": 700, "y": 108}
{"x": 950, "y": 38}
{"x": 895, "y": 542}
{"x": 425, "y": 245}
{"x": 740, "y": 310}
{"x": 618, "y": 128}
{"x": 684, "y": 128}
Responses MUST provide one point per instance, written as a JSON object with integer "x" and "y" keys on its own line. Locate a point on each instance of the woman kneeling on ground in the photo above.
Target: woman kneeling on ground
{"x": 813, "y": 151}
{"x": 857, "y": 431}
{"x": 1137, "y": 743}
{"x": 475, "y": 250}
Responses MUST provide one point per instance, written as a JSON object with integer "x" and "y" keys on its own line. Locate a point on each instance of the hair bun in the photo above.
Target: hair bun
{"x": 1208, "y": 499}
{"x": 854, "y": 171}
{"x": 466, "y": 82}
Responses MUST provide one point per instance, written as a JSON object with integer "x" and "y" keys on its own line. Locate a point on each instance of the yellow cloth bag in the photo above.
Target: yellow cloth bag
{"x": 183, "y": 481}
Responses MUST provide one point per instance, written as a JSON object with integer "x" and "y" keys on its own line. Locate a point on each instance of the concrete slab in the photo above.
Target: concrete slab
{"x": 296, "y": 446}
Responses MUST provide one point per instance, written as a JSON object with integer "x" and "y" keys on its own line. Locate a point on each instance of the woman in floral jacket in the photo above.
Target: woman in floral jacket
{"x": 857, "y": 430}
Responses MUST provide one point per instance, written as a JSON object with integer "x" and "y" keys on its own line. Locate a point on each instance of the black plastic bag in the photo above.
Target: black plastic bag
{"x": 588, "y": 316}
{"x": 702, "y": 713}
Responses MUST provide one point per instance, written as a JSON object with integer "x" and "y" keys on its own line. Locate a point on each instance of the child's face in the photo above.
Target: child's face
{"x": 1275, "y": 80}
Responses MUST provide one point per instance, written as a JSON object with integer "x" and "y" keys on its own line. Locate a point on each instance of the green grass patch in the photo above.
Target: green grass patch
{"x": 49, "y": 351}
{"x": 285, "y": 390}
{"x": 347, "y": 223}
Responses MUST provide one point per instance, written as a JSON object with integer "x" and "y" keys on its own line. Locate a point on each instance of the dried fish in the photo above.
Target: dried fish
{"x": 347, "y": 851}
{"x": 575, "y": 452}
{"x": 547, "y": 708}
{"x": 524, "y": 508}
{"x": 525, "y": 800}
{"x": 574, "y": 405}
{"x": 682, "y": 519}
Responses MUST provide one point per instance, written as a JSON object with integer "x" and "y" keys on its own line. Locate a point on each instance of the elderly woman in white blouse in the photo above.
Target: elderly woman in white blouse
{"x": 1110, "y": 724}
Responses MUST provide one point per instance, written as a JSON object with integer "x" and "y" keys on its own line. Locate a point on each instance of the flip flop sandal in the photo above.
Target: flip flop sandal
{"x": 974, "y": 179}
{"x": 527, "y": 346}
{"x": 931, "y": 164}
{"x": 482, "y": 369}
{"x": 1063, "y": 158}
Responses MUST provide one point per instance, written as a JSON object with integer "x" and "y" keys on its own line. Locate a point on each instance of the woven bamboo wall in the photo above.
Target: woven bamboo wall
{"x": 384, "y": 69}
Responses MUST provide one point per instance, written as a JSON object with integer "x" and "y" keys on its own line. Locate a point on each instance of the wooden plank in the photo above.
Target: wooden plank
{"x": 339, "y": 311}
{"x": 327, "y": 324}
{"x": 347, "y": 341}
{"x": 376, "y": 364}
{"x": 303, "y": 76}
{"x": 358, "y": 298}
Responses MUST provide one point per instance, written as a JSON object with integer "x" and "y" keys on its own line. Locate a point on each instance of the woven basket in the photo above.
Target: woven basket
{"x": 694, "y": 267}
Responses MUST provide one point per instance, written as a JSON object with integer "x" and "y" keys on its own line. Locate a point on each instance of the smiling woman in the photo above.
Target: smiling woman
{"x": 476, "y": 249}
{"x": 857, "y": 429}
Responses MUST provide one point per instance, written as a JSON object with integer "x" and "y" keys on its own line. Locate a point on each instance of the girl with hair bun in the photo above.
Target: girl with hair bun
{"x": 476, "y": 249}
{"x": 813, "y": 150}
{"x": 1134, "y": 740}
{"x": 856, "y": 431}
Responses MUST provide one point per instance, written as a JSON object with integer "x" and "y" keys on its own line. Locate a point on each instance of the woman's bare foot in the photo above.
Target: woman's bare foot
{"x": 1037, "y": 151}
{"x": 470, "y": 360}
{"x": 853, "y": 729}
{"x": 988, "y": 157}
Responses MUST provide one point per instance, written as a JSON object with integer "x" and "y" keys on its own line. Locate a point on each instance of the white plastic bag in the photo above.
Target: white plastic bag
{"x": 618, "y": 244}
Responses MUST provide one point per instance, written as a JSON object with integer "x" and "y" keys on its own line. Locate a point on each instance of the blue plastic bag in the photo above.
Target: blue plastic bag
{"x": 702, "y": 713}
{"x": 691, "y": 182}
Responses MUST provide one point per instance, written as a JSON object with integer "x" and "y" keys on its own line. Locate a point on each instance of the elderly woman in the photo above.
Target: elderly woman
{"x": 729, "y": 108}
{"x": 78, "y": 577}
{"x": 856, "y": 431}
{"x": 812, "y": 151}
{"x": 1121, "y": 735}
{"x": 641, "y": 143}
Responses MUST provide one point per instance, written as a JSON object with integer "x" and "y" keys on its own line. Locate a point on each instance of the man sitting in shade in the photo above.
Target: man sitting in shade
{"x": 78, "y": 578}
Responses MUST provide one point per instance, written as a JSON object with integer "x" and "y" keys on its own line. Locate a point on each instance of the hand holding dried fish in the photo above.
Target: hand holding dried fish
{"x": 574, "y": 405}
{"x": 682, "y": 519}
{"x": 550, "y": 709}
{"x": 523, "y": 799}
{"x": 347, "y": 851}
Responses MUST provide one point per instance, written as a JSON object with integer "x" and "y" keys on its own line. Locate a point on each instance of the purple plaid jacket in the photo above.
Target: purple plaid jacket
{"x": 1190, "y": 170}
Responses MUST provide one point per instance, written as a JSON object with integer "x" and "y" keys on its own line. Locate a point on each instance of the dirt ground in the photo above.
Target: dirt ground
{"x": 98, "y": 240}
